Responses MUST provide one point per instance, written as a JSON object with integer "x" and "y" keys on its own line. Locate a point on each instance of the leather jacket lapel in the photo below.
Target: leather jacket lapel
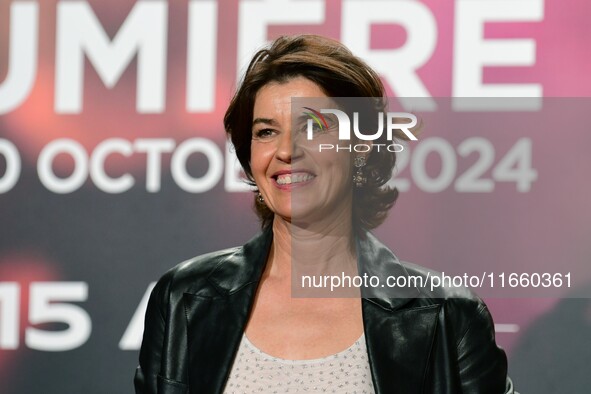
{"x": 215, "y": 328}
{"x": 399, "y": 337}
{"x": 216, "y": 319}
{"x": 376, "y": 260}
{"x": 399, "y": 345}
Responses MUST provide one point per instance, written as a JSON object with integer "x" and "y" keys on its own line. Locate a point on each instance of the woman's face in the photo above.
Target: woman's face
{"x": 296, "y": 180}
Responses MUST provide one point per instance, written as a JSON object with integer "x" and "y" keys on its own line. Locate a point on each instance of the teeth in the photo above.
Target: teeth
{"x": 289, "y": 179}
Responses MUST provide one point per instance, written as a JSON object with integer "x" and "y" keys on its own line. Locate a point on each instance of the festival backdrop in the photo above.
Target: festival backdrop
{"x": 114, "y": 166}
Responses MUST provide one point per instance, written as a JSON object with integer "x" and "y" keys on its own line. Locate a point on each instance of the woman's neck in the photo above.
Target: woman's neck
{"x": 319, "y": 250}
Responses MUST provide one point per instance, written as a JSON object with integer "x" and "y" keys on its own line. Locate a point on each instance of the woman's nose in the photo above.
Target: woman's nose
{"x": 287, "y": 149}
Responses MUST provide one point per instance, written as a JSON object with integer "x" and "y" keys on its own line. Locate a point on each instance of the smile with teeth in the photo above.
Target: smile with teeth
{"x": 290, "y": 179}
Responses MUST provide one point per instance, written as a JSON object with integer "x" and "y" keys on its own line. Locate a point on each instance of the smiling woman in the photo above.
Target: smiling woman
{"x": 230, "y": 321}
{"x": 281, "y": 164}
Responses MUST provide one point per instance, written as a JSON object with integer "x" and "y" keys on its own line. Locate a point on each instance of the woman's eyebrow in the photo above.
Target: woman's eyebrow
{"x": 268, "y": 121}
{"x": 303, "y": 118}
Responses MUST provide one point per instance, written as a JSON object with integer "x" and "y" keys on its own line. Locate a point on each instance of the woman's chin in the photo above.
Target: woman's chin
{"x": 306, "y": 216}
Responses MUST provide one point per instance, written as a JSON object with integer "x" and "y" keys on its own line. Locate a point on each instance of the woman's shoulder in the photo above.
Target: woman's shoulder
{"x": 216, "y": 274}
{"x": 204, "y": 263}
{"x": 192, "y": 275}
{"x": 411, "y": 285}
{"x": 460, "y": 303}
{"x": 435, "y": 284}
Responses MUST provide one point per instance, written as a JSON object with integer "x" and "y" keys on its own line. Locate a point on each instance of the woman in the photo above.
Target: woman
{"x": 227, "y": 321}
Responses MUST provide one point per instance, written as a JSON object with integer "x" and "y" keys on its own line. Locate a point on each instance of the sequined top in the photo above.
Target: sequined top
{"x": 254, "y": 371}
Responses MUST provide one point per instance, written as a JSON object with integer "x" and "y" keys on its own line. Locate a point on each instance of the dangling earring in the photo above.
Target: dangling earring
{"x": 358, "y": 178}
{"x": 260, "y": 198}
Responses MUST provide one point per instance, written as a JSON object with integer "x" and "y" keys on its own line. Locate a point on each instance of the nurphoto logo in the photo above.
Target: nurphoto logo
{"x": 395, "y": 121}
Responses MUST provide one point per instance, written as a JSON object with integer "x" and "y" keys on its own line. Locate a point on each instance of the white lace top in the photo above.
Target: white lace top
{"x": 254, "y": 371}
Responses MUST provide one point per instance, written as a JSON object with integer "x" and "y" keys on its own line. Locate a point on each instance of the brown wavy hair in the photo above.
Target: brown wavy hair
{"x": 339, "y": 73}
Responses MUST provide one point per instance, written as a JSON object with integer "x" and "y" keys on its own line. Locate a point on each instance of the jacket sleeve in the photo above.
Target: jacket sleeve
{"x": 482, "y": 364}
{"x": 146, "y": 374}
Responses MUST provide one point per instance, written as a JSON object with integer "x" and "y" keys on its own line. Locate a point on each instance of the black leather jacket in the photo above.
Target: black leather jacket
{"x": 420, "y": 342}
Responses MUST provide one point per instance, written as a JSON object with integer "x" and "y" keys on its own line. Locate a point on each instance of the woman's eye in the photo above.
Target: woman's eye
{"x": 264, "y": 133}
{"x": 317, "y": 128}
{"x": 313, "y": 126}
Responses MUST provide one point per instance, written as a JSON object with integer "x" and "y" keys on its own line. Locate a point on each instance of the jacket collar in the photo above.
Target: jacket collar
{"x": 246, "y": 266}
{"x": 399, "y": 338}
{"x": 375, "y": 259}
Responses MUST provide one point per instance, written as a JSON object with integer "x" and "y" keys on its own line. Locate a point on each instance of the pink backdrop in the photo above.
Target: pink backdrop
{"x": 102, "y": 249}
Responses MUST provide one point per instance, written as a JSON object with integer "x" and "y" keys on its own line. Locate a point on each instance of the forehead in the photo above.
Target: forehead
{"x": 276, "y": 97}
